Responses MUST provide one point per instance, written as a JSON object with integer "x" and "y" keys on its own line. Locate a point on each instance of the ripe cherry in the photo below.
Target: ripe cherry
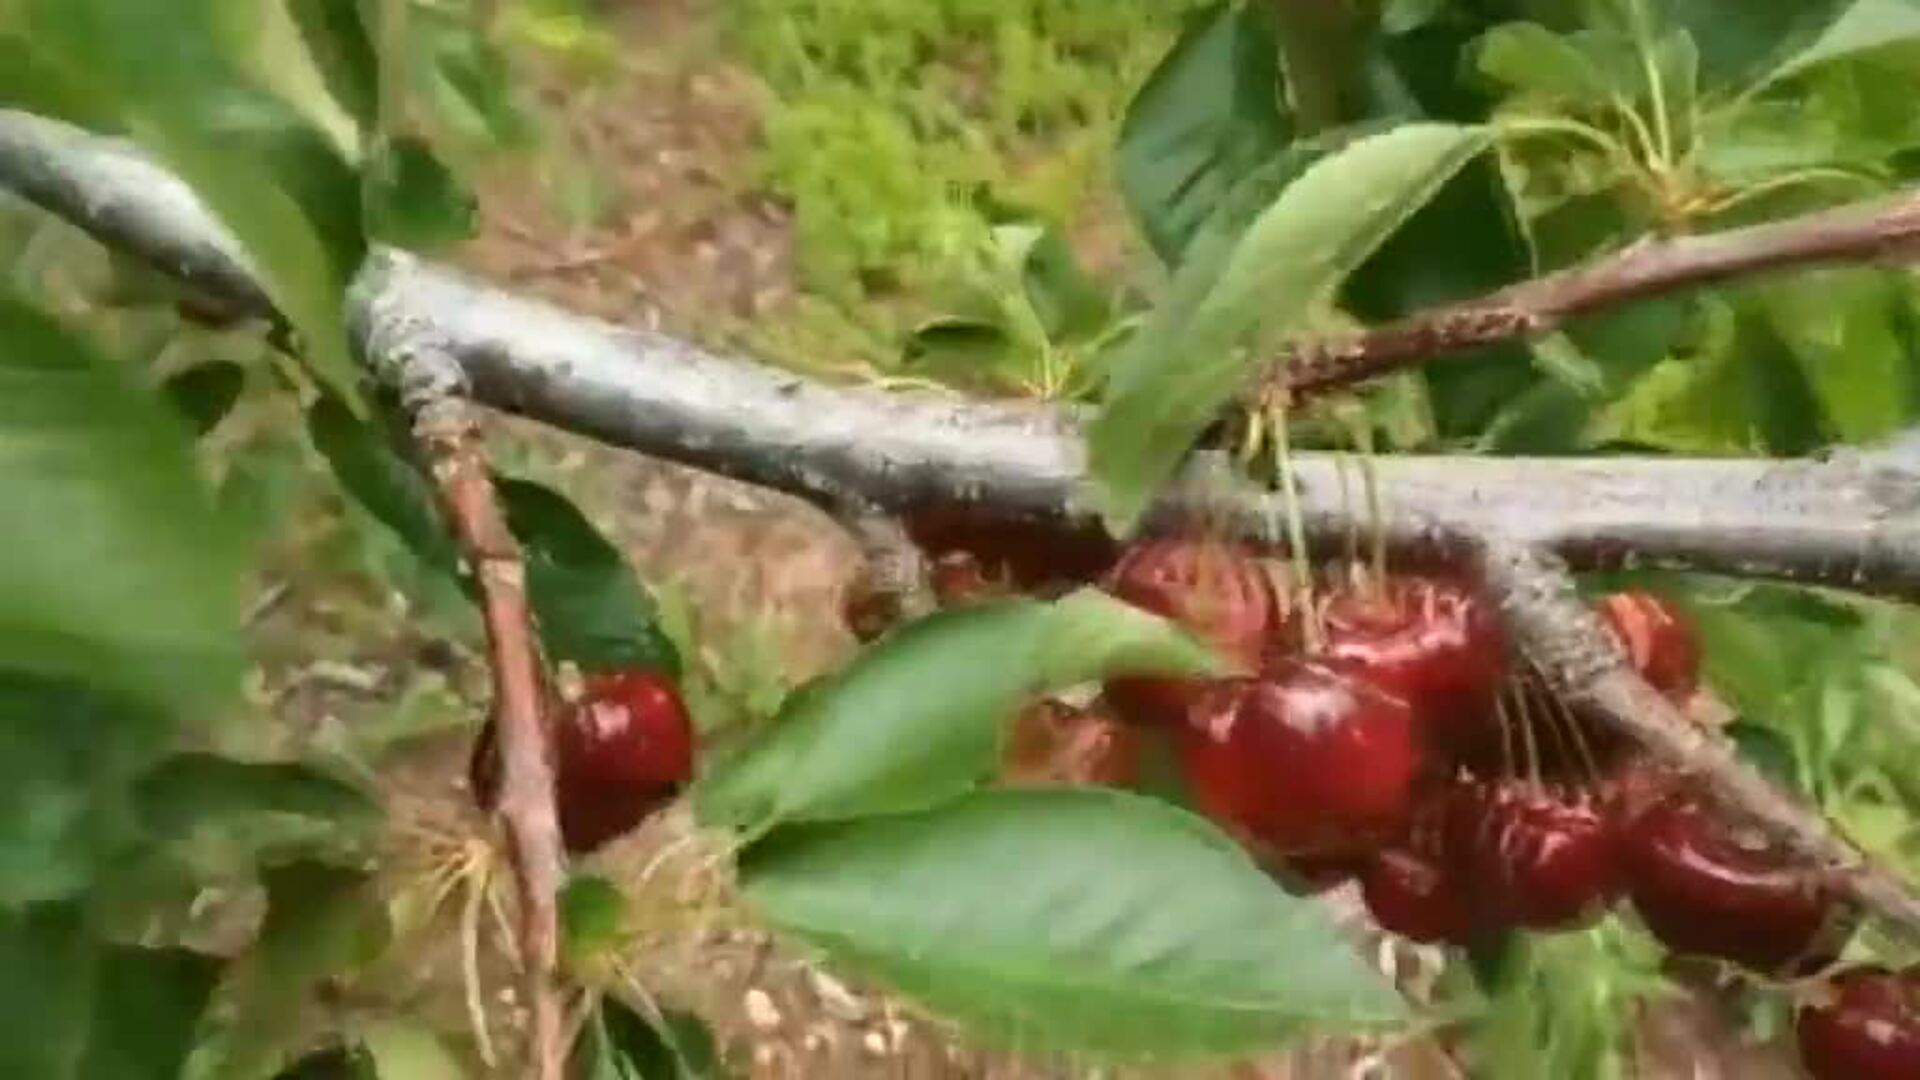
{"x": 1056, "y": 743}
{"x": 1540, "y": 857}
{"x": 1433, "y": 642}
{"x": 1215, "y": 590}
{"x": 1707, "y": 888}
{"x": 1659, "y": 641}
{"x": 1310, "y": 759}
{"x": 1869, "y": 1029}
{"x": 1418, "y": 896}
{"x": 620, "y": 753}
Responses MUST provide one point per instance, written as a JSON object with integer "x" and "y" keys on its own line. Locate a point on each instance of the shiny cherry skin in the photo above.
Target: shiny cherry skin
{"x": 1867, "y": 1029}
{"x": 622, "y": 751}
{"x": 1214, "y": 590}
{"x": 1056, "y": 743}
{"x": 1540, "y": 857}
{"x": 1706, "y": 888}
{"x": 1434, "y": 642}
{"x": 1419, "y": 897}
{"x": 1659, "y": 640}
{"x": 1308, "y": 759}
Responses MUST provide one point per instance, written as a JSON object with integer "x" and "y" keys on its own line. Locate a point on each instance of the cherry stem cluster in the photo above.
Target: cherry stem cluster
{"x": 1853, "y": 521}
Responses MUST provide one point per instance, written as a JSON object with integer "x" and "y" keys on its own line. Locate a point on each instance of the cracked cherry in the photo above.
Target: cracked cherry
{"x": 1868, "y": 1028}
{"x": 1707, "y": 888}
{"x": 1214, "y": 590}
{"x": 1434, "y": 642}
{"x": 1658, "y": 638}
{"x": 1309, "y": 759}
{"x": 621, "y": 752}
{"x": 1541, "y": 857}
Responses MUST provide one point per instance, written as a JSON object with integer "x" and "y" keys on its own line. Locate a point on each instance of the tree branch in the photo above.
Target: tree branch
{"x": 1887, "y": 229}
{"x": 447, "y": 432}
{"x": 1852, "y": 520}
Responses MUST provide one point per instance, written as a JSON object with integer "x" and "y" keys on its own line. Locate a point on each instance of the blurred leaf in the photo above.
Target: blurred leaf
{"x": 1210, "y": 112}
{"x": 403, "y": 1051}
{"x": 414, "y": 200}
{"x": 1865, "y": 26}
{"x": 117, "y": 569}
{"x": 378, "y": 478}
{"x": 1739, "y": 41}
{"x": 341, "y": 48}
{"x": 1766, "y": 750}
{"x": 1322, "y": 226}
{"x": 1586, "y": 68}
{"x": 917, "y": 719}
{"x": 967, "y": 352}
{"x": 1069, "y": 303}
{"x": 591, "y": 608}
{"x": 147, "y": 1005}
{"x": 593, "y": 914}
{"x": 1841, "y": 329}
{"x": 48, "y": 968}
{"x": 321, "y": 921}
{"x": 205, "y": 393}
{"x": 621, "y": 1044}
{"x": 191, "y": 789}
{"x": 1078, "y": 920}
{"x": 465, "y": 79}
{"x": 332, "y": 1063}
{"x": 30, "y": 82}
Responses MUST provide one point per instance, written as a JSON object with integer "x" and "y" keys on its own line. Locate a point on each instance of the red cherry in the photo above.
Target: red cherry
{"x": 1419, "y": 897}
{"x": 1869, "y": 1030}
{"x": 958, "y": 578}
{"x": 1706, "y": 888}
{"x": 1541, "y": 858}
{"x": 1433, "y": 642}
{"x": 1658, "y": 638}
{"x": 1214, "y": 590}
{"x": 1056, "y": 743}
{"x": 1310, "y": 759}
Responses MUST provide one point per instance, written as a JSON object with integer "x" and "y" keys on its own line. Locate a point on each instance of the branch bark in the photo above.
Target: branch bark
{"x": 1851, "y": 520}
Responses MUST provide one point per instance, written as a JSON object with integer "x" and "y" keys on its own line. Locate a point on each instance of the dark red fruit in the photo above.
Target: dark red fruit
{"x": 1538, "y": 857}
{"x": 621, "y": 752}
{"x": 1707, "y": 888}
{"x": 1659, "y": 640}
{"x": 1436, "y": 643}
{"x": 1310, "y": 759}
{"x": 1869, "y": 1029}
{"x": 1419, "y": 896}
{"x": 1216, "y": 591}
{"x": 1056, "y": 743}
{"x": 958, "y": 578}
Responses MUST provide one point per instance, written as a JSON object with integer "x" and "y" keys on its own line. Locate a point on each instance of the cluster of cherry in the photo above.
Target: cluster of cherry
{"x": 1385, "y": 733}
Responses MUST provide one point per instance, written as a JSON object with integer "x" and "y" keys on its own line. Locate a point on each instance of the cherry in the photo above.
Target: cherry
{"x": 1214, "y": 590}
{"x": 958, "y": 578}
{"x": 1706, "y": 888}
{"x": 1056, "y": 743}
{"x": 1309, "y": 759}
{"x": 620, "y": 753}
{"x": 1540, "y": 857}
{"x": 1433, "y": 642}
{"x": 1868, "y": 1030}
{"x": 1658, "y": 638}
{"x": 1418, "y": 896}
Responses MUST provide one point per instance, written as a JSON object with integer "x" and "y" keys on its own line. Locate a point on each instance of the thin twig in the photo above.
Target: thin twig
{"x": 1877, "y": 231}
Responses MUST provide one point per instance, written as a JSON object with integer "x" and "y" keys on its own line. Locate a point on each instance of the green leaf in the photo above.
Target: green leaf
{"x": 1082, "y": 920}
{"x": 1210, "y": 113}
{"x": 205, "y": 393}
{"x": 625, "y": 1045}
{"x": 1842, "y": 329}
{"x": 918, "y": 718}
{"x": 1767, "y": 750}
{"x": 188, "y": 790}
{"x": 592, "y": 610}
{"x": 147, "y": 1005}
{"x": 402, "y": 1051}
{"x": 47, "y": 973}
{"x": 1866, "y": 26}
{"x": 1322, "y": 226}
{"x": 321, "y": 921}
{"x": 378, "y": 478}
{"x": 1069, "y": 303}
{"x": 332, "y": 1063}
{"x": 1739, "y": 41}
{"x": 1584, "y": 69}
{"x": 966, "y": 352}
{"x": 414, "y": 200}
{"x": 341, "y": 48}
{"x": 118, "y": 570}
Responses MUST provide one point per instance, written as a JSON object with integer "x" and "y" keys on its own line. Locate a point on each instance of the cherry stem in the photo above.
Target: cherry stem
{"x": 1296, "y": 529}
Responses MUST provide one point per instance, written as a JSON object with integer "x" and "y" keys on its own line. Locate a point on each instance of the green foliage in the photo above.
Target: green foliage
{"x": 873, "y": 739}
{"x": 621, "y": 1044}
{"x": 986, "y": 909}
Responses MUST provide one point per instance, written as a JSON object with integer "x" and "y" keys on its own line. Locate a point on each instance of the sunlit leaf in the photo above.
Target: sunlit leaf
{"x": 402, "y": 1051}
{"x": 1866, "y": 26}
{"x": 1082, "y": 920}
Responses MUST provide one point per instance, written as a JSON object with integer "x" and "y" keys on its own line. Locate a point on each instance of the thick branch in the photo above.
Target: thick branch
{"x": 1888, "y": 229}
